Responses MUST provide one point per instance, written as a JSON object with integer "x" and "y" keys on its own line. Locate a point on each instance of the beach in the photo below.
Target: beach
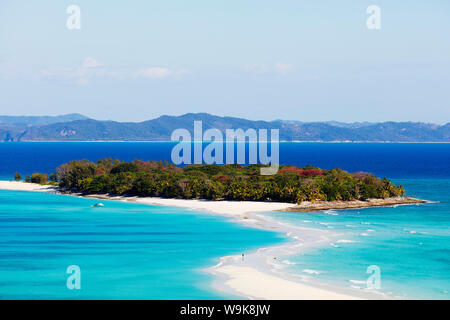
{"x": 256, "y": 274}
{"x": 22, "y": 186}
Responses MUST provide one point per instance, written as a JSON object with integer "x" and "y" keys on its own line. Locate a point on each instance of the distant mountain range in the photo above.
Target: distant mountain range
{"x": 39, "y": 120}
{"x": 76, "y": 127}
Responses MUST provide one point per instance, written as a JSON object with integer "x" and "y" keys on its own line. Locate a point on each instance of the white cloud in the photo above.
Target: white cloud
{"x": 283, "y": 68}
{"x": 91, "y": 68}
{"x": 80, "y": 74}
{"x": 256, "y": 68}
{"x": 90, "y": 62}
{"x": 159, "y": 73}
{"x": 154, "y": 73}
{"x": 277, "y": 67}
{"x": 83, "y": 81}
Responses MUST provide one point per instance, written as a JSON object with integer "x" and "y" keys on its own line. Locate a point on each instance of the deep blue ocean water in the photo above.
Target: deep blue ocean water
{"x": 395, "y": 160}
{"x": 127, "y": 250}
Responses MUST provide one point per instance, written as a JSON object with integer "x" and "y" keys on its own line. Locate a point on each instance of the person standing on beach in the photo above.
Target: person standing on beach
{"x": 242, "y": 257}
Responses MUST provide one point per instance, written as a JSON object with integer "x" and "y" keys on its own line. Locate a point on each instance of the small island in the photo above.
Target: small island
{"x": 309, "y": 188}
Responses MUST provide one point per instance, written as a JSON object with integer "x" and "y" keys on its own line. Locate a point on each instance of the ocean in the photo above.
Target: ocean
{"x": 123, "y": 250}
{"x": 132, "y": 251}
{"x": 394, "y": 160}
{"x": 409, "y": 244}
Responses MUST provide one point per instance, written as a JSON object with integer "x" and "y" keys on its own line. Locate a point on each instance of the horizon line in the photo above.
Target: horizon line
{"x": 221, "y": 116}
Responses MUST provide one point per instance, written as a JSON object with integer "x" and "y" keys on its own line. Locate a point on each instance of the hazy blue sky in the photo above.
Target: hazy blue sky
{"x": 308, "y": 60}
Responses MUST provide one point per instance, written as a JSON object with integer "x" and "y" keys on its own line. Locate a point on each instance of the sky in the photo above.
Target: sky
{"x": 311, "y": 60}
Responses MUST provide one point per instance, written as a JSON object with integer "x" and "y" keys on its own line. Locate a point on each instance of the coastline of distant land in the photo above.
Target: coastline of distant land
{"x": 78, "y": 128}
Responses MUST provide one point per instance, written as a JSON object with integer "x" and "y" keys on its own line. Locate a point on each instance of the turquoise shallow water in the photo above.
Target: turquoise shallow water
{"x": 410, "y": 245}
{"x": 132, "y": 251}
{"x": 124, "y": 250}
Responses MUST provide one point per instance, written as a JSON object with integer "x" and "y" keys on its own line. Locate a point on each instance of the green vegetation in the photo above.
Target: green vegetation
{"x": 17, "y": 176}
{"x": 216, "y": 182}
{"x": 41, "y": 178}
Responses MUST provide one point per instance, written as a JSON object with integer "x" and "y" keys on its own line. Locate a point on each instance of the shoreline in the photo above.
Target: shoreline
{"x": 225, "y": 206}
{"x": 354, "y": 204}
{"x": 259, "y": 275}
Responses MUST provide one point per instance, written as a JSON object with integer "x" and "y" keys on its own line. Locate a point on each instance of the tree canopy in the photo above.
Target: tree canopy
{"x": 216, "y": 182}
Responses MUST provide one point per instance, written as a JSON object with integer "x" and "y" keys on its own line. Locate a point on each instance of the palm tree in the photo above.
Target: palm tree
{"x": 401, "y": 190}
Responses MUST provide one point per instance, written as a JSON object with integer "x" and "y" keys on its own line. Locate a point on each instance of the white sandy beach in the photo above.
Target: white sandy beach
{"x": 258, "y": 285}
{"x": 257, "y": 276}
{"x": 227, "y": 208}
{"x": 22, "y": 186}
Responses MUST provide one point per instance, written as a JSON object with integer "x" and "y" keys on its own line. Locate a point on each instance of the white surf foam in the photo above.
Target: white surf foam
{"x": 310, "y": 271}
{"x": 345, "y": 241}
